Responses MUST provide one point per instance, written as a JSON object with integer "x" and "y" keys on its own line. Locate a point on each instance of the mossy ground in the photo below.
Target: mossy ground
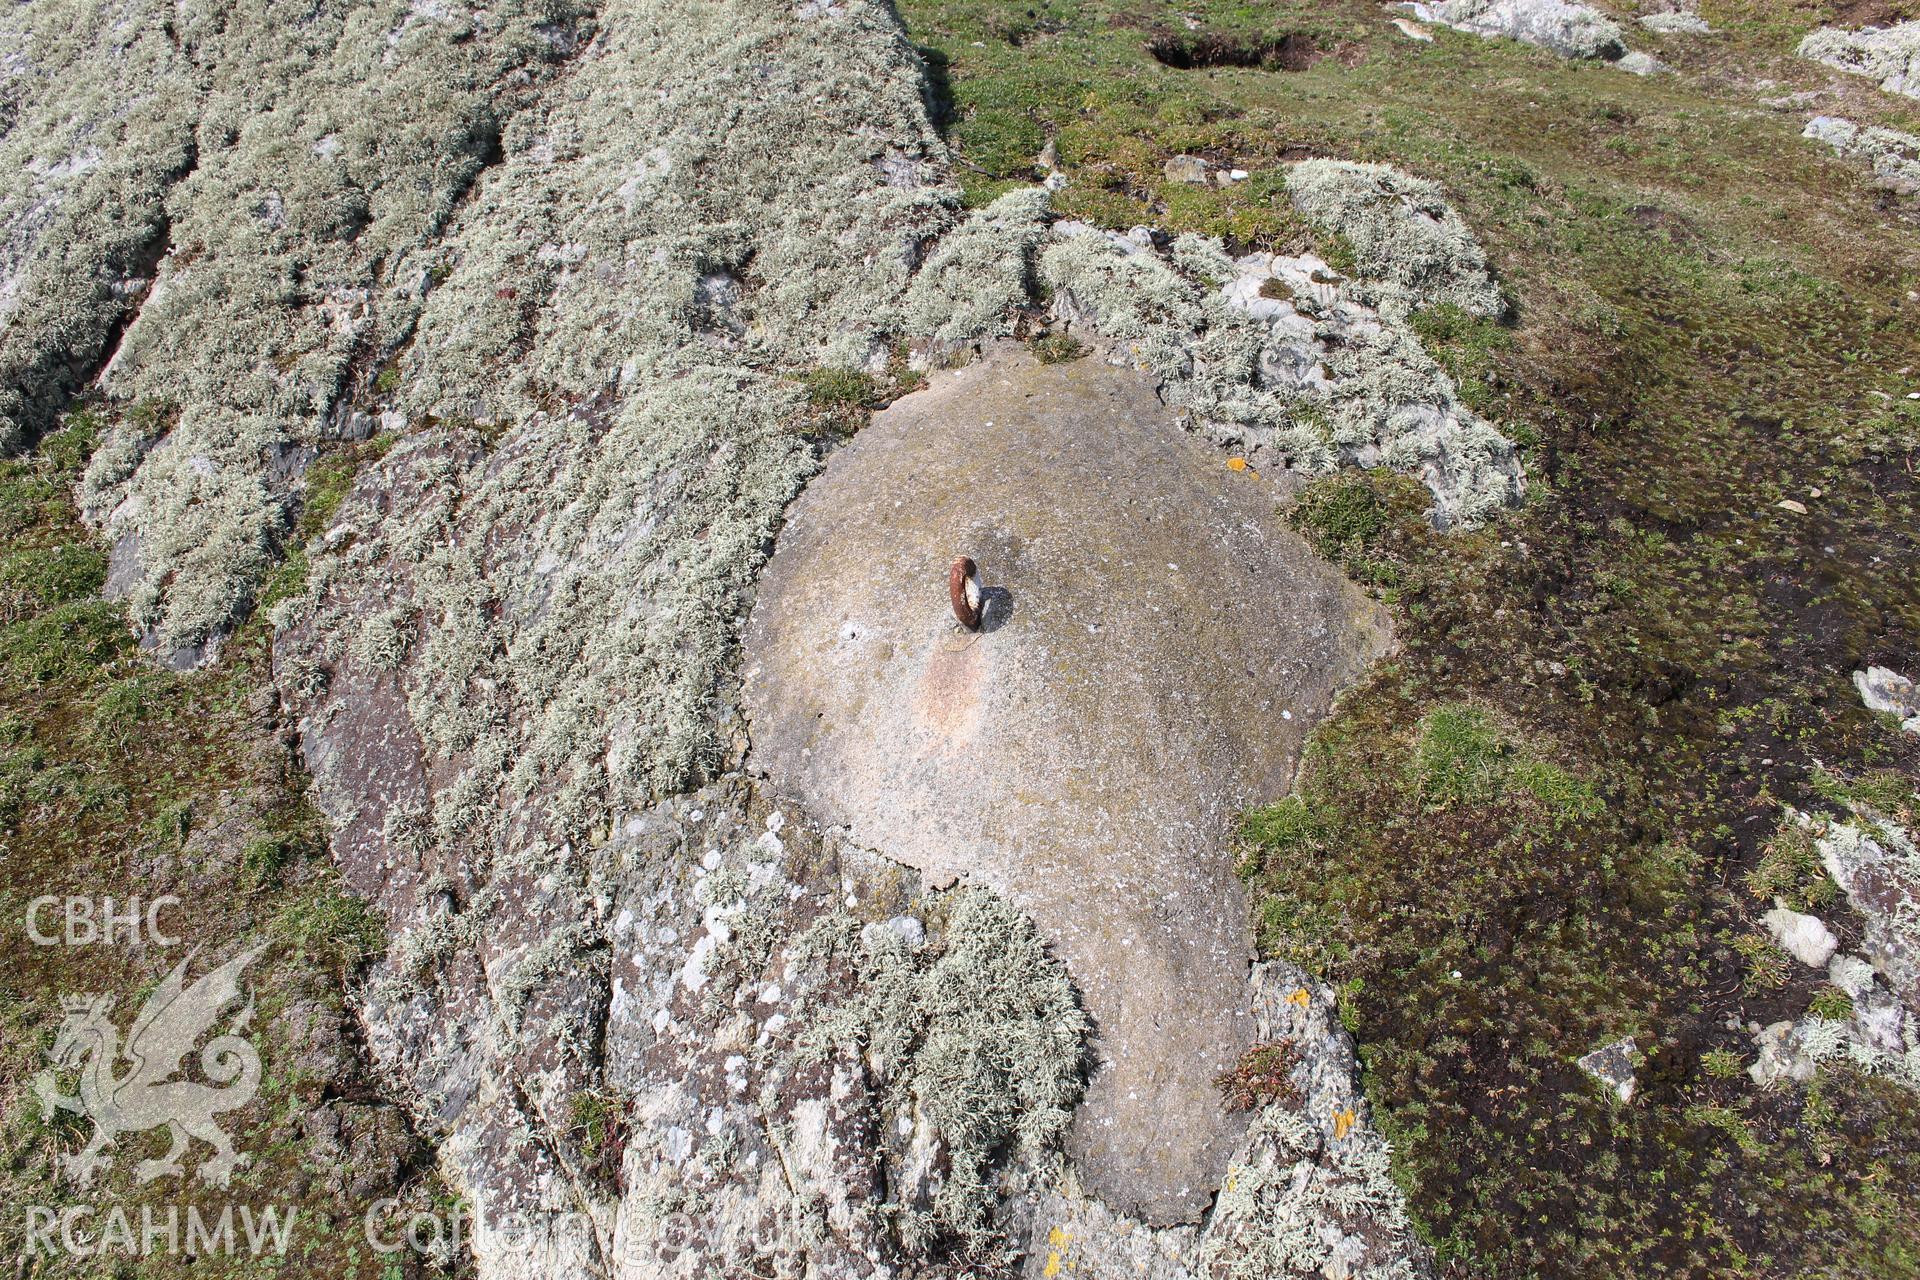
{"x": 109, "y": 770}
{"x": 1534, "y": 831}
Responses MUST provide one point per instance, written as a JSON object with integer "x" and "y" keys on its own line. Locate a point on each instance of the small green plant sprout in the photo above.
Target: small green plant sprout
{"x": 1831, "y": 1004}
{"x": 1263, "y": 1075}
{"x": 1722, "y": 1064}
{"x": 1789, "y": 868}
{"x": 265, "y": 857}
{"x": 1766, "y": 964}
{"x": 831, "y": 388}
{"x": 600, "y": 1127}
{"x": 1459, "y": 758}
{"x": 840, "y": 399}
{"x": 1886, "y": 791}
{"x": 1286, "y": 826}
{"x": 1058, "y": 348}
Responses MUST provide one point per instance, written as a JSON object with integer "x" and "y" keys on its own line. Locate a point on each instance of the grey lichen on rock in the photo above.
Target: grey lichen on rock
{"x": 1565, "y": 27}
{"x": 1889, "y": 56}
{"x": 577, "y": 583}
{"x": 1306, "y": 1193}
{"x": 982, "y": 1039}
{"x": 1877, "y": 865}
{"x": 1612, "y": 1065}
{"x": 574, "y": 262}
{"x": 1886, "y": 691}
{"x": 1411, "y": 249}
{"x": 269, "y": 248}
{"x": 980, "y": 272}
{"x": 296, "y": 167}
{"x": 521, "y": 622}
{"x": 1682, "y": 21}
{"x": 829, "y": 1067}
{"x": 1287, "y": 359}
{"x": 1893, "y": 156}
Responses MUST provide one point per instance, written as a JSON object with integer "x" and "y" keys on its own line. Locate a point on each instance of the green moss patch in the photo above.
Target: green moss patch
{"x": 117, "y": 778}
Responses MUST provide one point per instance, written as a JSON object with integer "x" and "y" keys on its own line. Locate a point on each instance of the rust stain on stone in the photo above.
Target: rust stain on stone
{"x": 948, "y": 699}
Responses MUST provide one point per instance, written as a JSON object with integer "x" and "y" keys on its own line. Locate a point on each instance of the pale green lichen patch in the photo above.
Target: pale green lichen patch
{"x": 1566, "y": 27}
{"x": 711, "y": 205}
{"x": 981, "y": 272}
{"x": 984, "y": 1038}
{"x": 1409, "y": 245}
{"x": 295, "y": 165}
{"x": 1273, "y": 1214}
{"x": 1295, "y": 362}
{"x": 714, "y": 185}
{"x": 1889, "y": 56}
{"x": 906, "y": 1060}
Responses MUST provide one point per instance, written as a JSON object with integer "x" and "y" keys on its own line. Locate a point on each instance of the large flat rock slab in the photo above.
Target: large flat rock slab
{"x": 1156, "y": 647}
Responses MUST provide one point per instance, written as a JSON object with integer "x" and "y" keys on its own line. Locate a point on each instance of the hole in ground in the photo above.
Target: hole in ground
{"x": 1291, "y": 52}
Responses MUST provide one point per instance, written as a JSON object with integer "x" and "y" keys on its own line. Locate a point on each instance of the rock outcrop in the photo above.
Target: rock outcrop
{"x": 1889, "y": 56}
{"x": 1565, "y": 27}
{"x": 1156, "y": 646}
{"x": 1877, "y": 867}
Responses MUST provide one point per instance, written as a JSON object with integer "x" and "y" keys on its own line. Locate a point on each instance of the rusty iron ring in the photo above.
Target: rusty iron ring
{"x": 963, "y": 590}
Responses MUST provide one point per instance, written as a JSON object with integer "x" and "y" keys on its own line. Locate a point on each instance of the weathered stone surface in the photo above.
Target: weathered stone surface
{"x": 1157, "y": 645}
{"x": 1565, "y": 27}
{"x": 1886, "y": 690}
{"x": 1780, "y": 1056}
{"x": 1806, "y": 938}
{"x": 1879, "y": 870}
{"x": 1188, "y": 169}
{"x": 1612, "y": 1065}
{"x": 1889, "y": 56}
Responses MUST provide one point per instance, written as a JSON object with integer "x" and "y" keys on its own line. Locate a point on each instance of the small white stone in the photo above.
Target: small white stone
{"x": 1806, "y": 938}
{"x": 1612, "y": 1065}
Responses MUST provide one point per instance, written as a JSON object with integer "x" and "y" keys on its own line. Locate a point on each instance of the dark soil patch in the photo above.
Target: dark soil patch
{"x": 1874, "y": 13}
{"x": 1675, "y": 227}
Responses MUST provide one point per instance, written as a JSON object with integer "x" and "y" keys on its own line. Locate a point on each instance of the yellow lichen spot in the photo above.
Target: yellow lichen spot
{"x": 1057, "y": 1241}
{"x": 1300, "y": 997}
{"x": 1240, "y": 464}
{"x": 1342, "y": 1122}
